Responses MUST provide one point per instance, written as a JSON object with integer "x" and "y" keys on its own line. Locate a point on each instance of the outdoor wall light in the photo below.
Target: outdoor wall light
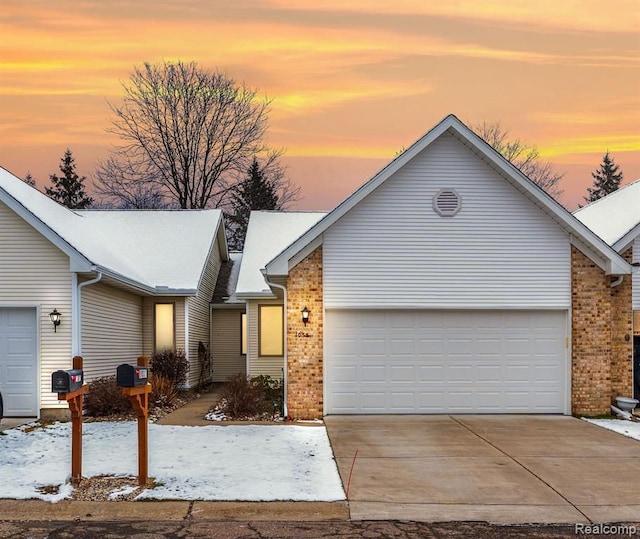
{"x": 305, "y": 316}
{"x": 55, "y": 319}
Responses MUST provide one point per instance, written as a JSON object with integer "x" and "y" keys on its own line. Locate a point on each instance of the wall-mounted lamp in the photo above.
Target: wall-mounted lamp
{"x": 55, "y": 319}
{"x": 305, "y": 316}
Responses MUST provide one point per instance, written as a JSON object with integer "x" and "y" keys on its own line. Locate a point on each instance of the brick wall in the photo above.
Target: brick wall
{"x": 305, "y": 344}
{"x": 601, "y": 353}
{"x": 621, "y": 337}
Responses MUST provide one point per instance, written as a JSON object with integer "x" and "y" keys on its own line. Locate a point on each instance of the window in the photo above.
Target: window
{"x": 243, "y": 334}
{"x": 165, "y": 326}
{"x": 270, "y": 328}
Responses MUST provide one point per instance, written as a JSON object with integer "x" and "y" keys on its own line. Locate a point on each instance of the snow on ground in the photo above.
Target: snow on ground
{"x": 235, "y": 462}
{"x": 628, "y": 428}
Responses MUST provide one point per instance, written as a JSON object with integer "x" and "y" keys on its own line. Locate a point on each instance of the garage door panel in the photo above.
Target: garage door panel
{"x": 445, "y": 361}
{"x": 18, "y": 361}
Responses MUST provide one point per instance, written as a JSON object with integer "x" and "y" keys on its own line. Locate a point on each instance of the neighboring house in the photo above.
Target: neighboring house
{"x": 616, "y": 219}
{"x": 448, "y": 283}
{"x": 126, "y": 283}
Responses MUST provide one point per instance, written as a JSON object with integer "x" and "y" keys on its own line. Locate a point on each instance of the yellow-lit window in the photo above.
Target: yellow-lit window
{"x": 165, "y": 326}
{"x": 270, "y": 327}
{"x": 243, "y": 334}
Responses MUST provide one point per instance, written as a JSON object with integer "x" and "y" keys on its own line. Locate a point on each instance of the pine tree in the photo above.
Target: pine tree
{"x": 255, "y": 192}
{"x": 605, "y": 180}
{"x": 29, "y": 180}
{"x": 68, "y": 189}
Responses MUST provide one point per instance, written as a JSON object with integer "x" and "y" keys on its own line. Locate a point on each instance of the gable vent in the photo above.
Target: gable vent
{"x": 447, "y": 202}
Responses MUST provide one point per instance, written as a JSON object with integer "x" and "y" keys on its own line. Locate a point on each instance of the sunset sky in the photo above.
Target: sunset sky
{"x": 352, "y": 81}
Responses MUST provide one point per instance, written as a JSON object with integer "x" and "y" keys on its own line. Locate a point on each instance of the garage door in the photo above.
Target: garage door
{"x": 379, "y": 362}
{"x": 18, "y": 362}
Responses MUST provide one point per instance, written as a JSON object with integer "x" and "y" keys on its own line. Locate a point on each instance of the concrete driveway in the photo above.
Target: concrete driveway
{"x": 503, "y": 469}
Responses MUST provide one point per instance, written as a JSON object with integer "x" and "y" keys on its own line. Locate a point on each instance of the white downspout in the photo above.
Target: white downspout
{"x": 284, "y": 370}
{"x": 617, "y": 282}
{"x": 76, "y": 306}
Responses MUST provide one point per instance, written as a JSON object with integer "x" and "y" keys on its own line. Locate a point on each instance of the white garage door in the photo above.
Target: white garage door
{"x": 18, "y": 362}
{"x": 381, "y": 362}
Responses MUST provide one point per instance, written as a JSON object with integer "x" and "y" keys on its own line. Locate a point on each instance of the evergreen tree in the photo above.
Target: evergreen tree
{"x": 255, "y": 192}
{"x": 605, "y": 180}
{"x": 29, "y": 180}
{"x": 68, "y": 189}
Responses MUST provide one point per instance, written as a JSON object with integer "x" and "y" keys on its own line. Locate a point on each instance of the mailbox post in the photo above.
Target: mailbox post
{"x": 132, "y": 381}
{"x": 69, "y": 385}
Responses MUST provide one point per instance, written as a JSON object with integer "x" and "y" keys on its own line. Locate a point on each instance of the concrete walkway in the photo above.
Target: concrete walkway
{"x": 192, "y": 414}
{"x": 502, "y": 469}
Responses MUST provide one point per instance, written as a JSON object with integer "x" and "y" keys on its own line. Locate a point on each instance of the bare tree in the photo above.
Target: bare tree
{"x": 122, "y": 184}
{"x": 191, "y": 131}
{"x": 523, "y": 155}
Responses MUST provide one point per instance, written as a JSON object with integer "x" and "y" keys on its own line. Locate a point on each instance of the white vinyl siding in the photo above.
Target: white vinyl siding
{"x": 199, "y": 308}
{"x": 269, "y": 366}
{"x": 111, "y": 329}
{"x": 35, "y": 273}
{"x": 498, "y": 251}
{"x": 445, "y": 361}
{"x": 225, "y": 344}
{"x": 636, "y": 276}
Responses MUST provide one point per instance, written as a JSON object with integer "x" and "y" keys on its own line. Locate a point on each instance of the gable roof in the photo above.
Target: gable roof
{"x": 157, "y": 252}
{"x": 268, "y": 233}
{"x": 581, "y": 236}
{"x": 615, "y": 217}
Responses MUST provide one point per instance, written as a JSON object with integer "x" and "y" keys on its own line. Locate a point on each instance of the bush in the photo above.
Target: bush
{"x": 172, "y": 365}
{"x": 243, "y": 397}
{"x": 273, "y": 393}
{"x": 163, "y": 392}
{"x": 104, "y": 398}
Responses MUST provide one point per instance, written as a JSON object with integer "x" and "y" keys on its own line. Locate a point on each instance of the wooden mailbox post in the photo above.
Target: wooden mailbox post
{"x": 139, "y": 397}
{"x": 75, "y": 400}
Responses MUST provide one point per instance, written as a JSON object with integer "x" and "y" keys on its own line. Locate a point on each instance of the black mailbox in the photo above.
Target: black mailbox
{"x": 67, "y": 381}
{"x": 131, "y": 375}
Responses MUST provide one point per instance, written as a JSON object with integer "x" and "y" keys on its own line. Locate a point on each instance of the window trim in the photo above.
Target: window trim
{"x": 244, "y": 341}
{"x": 281, "y": 307}
{"x": 155, "y": 329}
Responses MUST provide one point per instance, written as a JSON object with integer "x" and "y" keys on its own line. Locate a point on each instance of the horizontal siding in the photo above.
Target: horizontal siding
{"x": 499, "y": 251}
{"x": 225, "y": 344}
{"x": 111, "y": 329}
{"x": 636, "y": 276}
{"x": 199, "y": 308}
{"x": 34, "y": 272}
{"x": 268, "y": 366}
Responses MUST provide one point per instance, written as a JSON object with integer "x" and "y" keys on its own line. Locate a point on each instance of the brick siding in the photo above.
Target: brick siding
{"x": 601, "y": 351}
{"x": 305, "y": 344}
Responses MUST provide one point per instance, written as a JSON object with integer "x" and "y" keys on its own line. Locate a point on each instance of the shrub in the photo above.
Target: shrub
{"x": 172, "y": 365}
{"x": 273, "y": 393}
{"x": 163, "y": 392}
{"x": 243, "y": 397}
{"x": 104, "y": 398}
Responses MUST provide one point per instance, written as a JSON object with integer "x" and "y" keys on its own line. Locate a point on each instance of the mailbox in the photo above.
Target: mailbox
{"x": 67, "y": 381}
{"x": 131, "y": 375}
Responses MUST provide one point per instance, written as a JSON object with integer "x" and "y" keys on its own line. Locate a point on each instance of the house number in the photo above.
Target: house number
{"x": 303, "y": 334}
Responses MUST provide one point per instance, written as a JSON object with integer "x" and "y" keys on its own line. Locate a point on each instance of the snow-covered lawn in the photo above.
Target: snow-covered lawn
{"x": 628, "y": 428}
{"x": 250, "y": 463}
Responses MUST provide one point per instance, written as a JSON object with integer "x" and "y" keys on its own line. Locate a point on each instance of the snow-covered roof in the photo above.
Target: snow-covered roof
{"x": 268, "y": 233}
{"x": 601, "y": 253}
{"x": 616, "y": 217}
{"x": 225, "y": 290}
{"x": 156, "y": 251}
